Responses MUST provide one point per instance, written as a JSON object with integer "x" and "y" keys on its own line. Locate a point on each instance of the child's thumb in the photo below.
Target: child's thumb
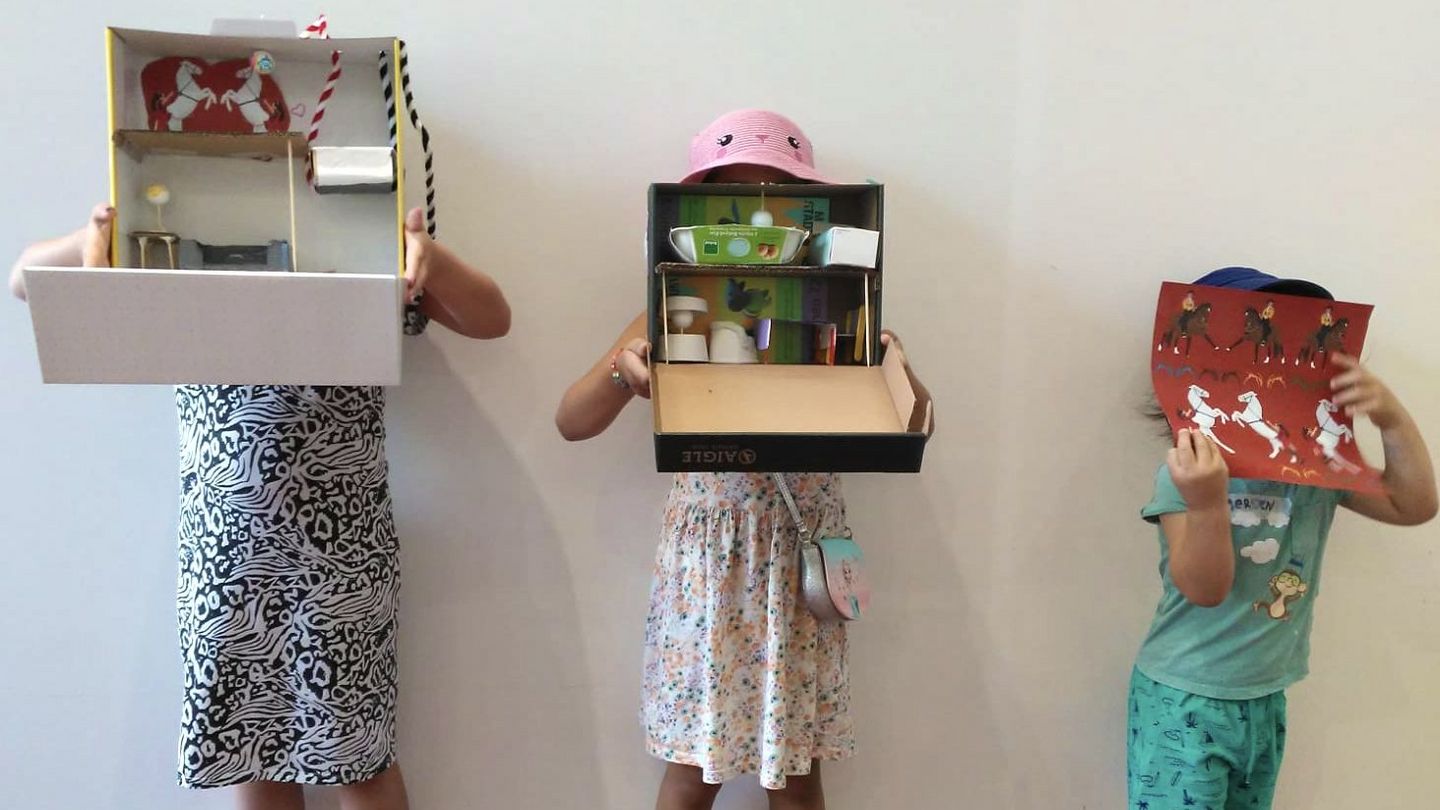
{"x": 415, "y": 221}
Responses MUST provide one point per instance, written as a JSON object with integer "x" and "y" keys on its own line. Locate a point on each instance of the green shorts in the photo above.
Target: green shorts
{"x": 1191, "y": 751}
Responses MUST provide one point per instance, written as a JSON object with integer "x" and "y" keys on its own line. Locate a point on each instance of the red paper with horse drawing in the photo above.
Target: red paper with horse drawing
{"x": 1252, "y": 371}
{"x": 188, "y": 94}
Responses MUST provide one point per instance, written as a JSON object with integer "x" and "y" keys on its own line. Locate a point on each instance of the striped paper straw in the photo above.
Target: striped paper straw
{"x": 320, "y": 29}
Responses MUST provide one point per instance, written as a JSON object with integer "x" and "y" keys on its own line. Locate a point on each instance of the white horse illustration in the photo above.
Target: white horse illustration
{"x": 1329, "y": 434}
{"x": 247, "y": 97}
{"x": 1205, "y": 415}
{"x": 188, "y": 95}
{"x": 1253, "y": 417}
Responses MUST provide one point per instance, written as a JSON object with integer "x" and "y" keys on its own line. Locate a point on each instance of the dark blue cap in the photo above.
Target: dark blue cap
{"x": 1248, "y": 278}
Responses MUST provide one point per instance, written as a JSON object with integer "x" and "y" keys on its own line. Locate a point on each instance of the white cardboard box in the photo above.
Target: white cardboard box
{"x": 336, "y": 321}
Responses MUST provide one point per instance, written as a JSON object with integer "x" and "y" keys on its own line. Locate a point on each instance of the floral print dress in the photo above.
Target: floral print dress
{"x": 739, "y": 677}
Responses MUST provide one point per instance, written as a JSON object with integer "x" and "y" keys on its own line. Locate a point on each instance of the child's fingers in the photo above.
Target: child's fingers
{"x": 1362, "y": 405}
{"x": 95, "y": 237}
{"x": 1185, "y": 449}
{"x": 1348, "y": 378}
{"x": 415, "y": 221}
{"x": 1345, "y": 361}
{"x": 1354, "y": 394}
{"x": 1205, "y": 451}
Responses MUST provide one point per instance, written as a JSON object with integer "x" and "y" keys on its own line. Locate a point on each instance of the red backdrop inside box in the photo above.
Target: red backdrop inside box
{"x": 188, "y": 94}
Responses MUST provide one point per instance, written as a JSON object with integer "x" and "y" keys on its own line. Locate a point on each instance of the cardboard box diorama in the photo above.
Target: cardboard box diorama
{"x": 767, "y": 356}
{"x": 230, "y": 267}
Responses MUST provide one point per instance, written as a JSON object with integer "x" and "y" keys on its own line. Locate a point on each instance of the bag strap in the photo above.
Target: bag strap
{"x": 387, "y": 87}
{"x": 794, "y": 510}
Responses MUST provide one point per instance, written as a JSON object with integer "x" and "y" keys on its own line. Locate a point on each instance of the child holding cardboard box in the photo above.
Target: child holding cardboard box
{"x": 739, "y": 677}
{"x": 289, "y": 562}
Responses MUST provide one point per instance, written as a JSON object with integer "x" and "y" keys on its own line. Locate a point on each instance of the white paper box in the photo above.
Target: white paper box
{"x": 353, "y": 169}
{"x": 853, "y": 247}
{"x": 209, "y": 326}
{"x": 337, "y": 321}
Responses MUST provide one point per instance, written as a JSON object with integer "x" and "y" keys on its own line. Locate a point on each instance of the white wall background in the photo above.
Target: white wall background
{"x": 1048, "y": 164}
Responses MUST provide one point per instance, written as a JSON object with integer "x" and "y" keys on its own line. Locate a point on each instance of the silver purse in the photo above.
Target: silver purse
{"x": 832, "y": 580}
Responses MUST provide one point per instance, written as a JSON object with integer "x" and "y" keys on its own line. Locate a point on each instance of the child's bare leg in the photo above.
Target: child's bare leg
{"x": 269, "y": 796}
{"x": 800, "y": 792}
{"x": 383, "y": 792}
{"x": 684, "y": 789}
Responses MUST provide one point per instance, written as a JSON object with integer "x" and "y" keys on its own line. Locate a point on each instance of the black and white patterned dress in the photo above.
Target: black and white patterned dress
{"x": 289, "y": 584}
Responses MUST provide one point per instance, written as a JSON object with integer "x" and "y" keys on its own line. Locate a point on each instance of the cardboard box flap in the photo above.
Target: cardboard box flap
{"x": 908, "y": 390}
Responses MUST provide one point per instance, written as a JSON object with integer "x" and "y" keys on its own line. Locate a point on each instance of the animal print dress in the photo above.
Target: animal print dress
{"x": 289, "y": 583}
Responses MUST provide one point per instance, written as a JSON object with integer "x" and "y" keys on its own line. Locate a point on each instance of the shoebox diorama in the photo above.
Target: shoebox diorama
{"x": 764, "y": 305}
{"x": 259, "y": 189}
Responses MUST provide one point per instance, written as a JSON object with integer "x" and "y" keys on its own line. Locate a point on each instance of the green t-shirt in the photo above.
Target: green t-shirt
{"x": 1257, "y": 641}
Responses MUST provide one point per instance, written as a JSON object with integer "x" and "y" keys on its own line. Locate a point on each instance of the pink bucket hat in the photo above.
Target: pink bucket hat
{"x": 753, "y": 138}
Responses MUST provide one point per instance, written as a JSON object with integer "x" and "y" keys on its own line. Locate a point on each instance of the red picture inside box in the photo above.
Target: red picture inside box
{"x": 189, "y": 94}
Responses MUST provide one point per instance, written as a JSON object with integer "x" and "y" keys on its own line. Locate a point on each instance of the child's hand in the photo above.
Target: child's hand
{"x": 1198, "y": 470}
{"x": 1361, "y": 393}
{"x": 630, "y": 362}
{"x": 95, "y": 237}
{"x": 891, "y": 341}
{"x": 417, "y": 255}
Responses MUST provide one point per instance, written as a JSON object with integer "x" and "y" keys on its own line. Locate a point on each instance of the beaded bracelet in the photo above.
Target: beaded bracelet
{"x": 615, "y": 376}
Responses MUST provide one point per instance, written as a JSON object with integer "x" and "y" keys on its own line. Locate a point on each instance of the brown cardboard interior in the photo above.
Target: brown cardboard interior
{"x": 749, "y": 399}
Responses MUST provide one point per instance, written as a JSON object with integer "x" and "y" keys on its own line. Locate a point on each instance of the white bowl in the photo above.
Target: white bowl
{"x": 683, "y": 240}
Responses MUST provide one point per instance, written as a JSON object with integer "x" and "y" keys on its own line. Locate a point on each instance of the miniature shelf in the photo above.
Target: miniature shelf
{"x": 812, "y": 271}
{"x": 139, "y": 143}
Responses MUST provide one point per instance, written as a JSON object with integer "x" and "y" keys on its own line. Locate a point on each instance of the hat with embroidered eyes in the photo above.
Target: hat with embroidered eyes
{"x": 1248, "y": 278}
{"x": 752, "y": 138}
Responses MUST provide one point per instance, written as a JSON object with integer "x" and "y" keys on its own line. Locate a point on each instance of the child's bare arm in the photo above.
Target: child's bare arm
{"x": 87, "y": 247}
{"x": 1409, "y": 498}
{"x": 1202, "y": 557}
{"x": 594, "y": 400}
{"x": 457, "y": 295}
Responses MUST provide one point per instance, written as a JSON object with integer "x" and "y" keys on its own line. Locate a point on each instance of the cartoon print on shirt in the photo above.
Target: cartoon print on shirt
{"x": 1285, "y": 587}
{"x": 1261, "y": 552}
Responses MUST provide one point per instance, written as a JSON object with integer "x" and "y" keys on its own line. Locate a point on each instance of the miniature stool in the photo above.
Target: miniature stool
{"x": 142, "y": 239}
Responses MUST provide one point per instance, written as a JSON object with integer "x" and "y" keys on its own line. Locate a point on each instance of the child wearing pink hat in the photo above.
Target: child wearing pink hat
{"x": 739, "y": 678}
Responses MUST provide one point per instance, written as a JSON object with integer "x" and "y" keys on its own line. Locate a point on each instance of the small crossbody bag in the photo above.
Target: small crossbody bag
{"x": 832, "y": 573}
